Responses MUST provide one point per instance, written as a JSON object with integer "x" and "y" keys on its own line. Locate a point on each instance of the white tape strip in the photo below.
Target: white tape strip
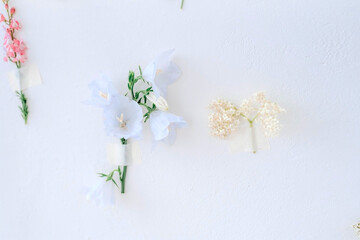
{"x": 124, "y": 155}
{"x": 25, "y": 77}
{"x": 249, "y": 139}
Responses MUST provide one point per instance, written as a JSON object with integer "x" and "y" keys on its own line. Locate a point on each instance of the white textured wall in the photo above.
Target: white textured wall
{"x": 304, "y": 53}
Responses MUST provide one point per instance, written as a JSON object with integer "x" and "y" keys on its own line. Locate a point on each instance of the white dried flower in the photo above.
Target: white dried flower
{"x": 258, "y": 108}
{"x": 268, "y": 112}
{"x": 247, "y": 108}
{"x": 225, "y": 119}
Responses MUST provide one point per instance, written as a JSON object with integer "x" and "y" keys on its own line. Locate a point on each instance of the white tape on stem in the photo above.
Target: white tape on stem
{"x": 249, "y": 139}
{"x": 124, "y": 155}
{"x": 26, "y": 77}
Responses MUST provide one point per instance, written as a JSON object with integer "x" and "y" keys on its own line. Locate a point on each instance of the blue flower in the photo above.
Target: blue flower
{"x": 102, "y": 91}
{"x": 163, "y": 126}
{"x": 162, "y": 72}
{"x": 102, "y": 194}
{"x": 123, "y": 118}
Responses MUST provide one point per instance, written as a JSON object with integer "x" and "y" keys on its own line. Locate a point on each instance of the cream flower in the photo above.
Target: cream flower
{"x": 225, "y": 119}
{"x": 258, "y": 108}
{"x": 159, "y": 102}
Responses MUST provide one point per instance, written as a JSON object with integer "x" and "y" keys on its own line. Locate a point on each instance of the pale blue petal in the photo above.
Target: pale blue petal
{"x": 168, "y": 74}
{"x": 149, "y": 73}
{"x": 163, "y": 126}
{"x": 102, "y": 194}
{"x": 104, "y": 85}
{"x": 165, "y": 78}
{"x": 133, "y": 116}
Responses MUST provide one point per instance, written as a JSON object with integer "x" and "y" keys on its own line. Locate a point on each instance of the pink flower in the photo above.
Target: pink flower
{"x": 14, "y": 24}
{"x": 15, "y": 48}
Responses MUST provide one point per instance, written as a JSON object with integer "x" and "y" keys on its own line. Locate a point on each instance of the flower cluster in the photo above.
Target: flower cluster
{"x": 259, "y": 108}
{"x": 144, "y": 101}
{"x": 15, "y": 48}
{"x": 226, "y": 117}
{"x": 225, "y": 120}
{"x": 15, "y": 51}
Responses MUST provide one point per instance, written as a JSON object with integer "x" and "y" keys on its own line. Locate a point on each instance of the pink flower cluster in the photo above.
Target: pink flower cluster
{"x": 15, "y": 48}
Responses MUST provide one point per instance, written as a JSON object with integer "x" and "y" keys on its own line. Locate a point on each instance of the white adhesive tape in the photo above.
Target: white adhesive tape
{"x": 25, "y": 77}
{"x": 249, "y": 139}
{"x": 124, "y": 155}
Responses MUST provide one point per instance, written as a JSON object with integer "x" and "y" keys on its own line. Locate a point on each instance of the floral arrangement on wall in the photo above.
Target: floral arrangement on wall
{"x": 125, "y": 115}
{"x": 23, "y": 77}
{"x": 257, "y": 117}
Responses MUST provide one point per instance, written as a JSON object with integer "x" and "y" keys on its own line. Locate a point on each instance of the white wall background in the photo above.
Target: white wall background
{"x": 304, "y": 53}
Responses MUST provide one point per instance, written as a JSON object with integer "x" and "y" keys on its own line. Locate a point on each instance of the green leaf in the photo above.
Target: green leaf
{"x": 114, "y": 183}
{"x": 110, "y": 176}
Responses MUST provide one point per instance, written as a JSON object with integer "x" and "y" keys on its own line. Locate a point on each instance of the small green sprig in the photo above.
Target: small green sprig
{"x": 182, "y": 4}
{"x": 149, "y": 110}
{"x": 122, "y": 174}
{"x": 24, "y": 107}
{"x": 109, "y": 177}
{"x": 141, "y": 96}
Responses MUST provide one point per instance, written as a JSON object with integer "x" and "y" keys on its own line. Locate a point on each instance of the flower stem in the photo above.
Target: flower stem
{"x": 123, "y": 178}
{"x": 253, "y": 137}
{"x": 24, "y": 107}
{"x": 182, "y": 4}
{"x": 123, "y": 174}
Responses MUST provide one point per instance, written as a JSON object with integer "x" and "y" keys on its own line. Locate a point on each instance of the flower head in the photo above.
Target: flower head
{"x": 15, "y": 49}
{"x": 224, "y": 120}
{"x": 163, "y": 126}
{"x": 159, "y": 102}
{"x": 264, "y": 111}
{"x": 123, "y": 118}
{"x": 161, "y": 72}
{"x": 14, "y": 24}
{"x": 102, "y": 91}
{"x": 102, "y": 194}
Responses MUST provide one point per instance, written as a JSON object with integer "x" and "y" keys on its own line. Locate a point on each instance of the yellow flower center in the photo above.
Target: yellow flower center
{"x": 121, "y": 121}
{"x": 103, "y": 95}
{"x": 158, "y": 71}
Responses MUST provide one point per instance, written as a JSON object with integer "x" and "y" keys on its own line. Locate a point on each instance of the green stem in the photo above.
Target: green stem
{"x": 24, "y": 107}
{"x": 182, "y": 4}
{"x": 253, "y": 140}
{"x": 122, "y": 175}
{"x": 123, "y": 178}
